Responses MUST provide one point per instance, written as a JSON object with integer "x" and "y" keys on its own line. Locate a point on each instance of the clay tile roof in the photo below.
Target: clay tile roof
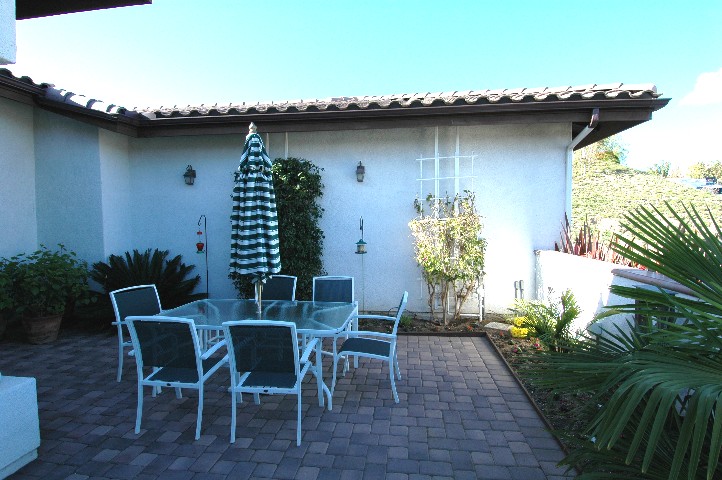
{"x": 405, "y": 101}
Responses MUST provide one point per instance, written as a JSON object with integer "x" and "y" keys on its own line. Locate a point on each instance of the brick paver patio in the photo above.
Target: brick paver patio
{"x": 462, "y": 415}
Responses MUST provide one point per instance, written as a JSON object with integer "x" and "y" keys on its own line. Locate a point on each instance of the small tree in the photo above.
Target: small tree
{"x": 449, "y": 249}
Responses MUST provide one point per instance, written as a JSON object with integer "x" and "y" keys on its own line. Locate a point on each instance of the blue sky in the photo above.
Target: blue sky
{"x": 181, "y": 52}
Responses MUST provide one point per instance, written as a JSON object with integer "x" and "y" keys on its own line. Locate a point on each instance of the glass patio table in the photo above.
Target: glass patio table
{"x": 312, "y": 319}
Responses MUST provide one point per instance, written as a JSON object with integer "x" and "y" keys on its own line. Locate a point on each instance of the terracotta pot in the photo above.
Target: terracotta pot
{"x": 41, "y": 330}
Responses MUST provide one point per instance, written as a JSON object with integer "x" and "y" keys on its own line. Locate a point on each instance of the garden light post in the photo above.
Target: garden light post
{"x": 361, "y": 250}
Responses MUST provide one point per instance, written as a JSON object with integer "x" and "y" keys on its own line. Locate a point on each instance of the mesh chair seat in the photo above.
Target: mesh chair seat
{"x": 366, "y": 346}
{"x": 181, "y": 375}
{"x": 333, "y": 289}
{"x": 270, "y": 380}
{"x": 279, "y": 287}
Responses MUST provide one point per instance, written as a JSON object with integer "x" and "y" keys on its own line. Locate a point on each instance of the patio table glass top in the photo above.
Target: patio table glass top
{"x": 318, "y": 318}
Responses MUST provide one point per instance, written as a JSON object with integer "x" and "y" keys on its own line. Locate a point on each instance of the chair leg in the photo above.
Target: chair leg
{"x": 120, "y": 360}
{"x": 139, "y": 411}
{"x": 335, "y": 368}
{"x": 199, "y": 420}
{"x": 233, "y": 414}
{"x": 391, "y": 376}
{"x": 355, "y": 358}
{"x": 318, "y": 371}
{"x": 398, "y": 370}
{"x": 178, "y": 393}
{"x": 298, "y": 416}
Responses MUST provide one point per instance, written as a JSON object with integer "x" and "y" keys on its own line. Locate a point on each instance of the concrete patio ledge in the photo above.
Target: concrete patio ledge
{"x": 462, "y": 414}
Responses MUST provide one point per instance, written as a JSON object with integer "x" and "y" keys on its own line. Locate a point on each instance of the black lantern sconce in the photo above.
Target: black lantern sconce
{"x": 360, "y": 172}
{"x": 190, "y": 175}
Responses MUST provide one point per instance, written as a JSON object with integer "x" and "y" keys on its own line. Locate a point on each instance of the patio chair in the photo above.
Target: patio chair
{"x": 335, "y": 289}
{"x": 170, "y": 347}
{"x": 279, "y": 287}
{"x": 376, "y": 345}
{"x": 137, "y": 300}
{"x": 264, "y": 358}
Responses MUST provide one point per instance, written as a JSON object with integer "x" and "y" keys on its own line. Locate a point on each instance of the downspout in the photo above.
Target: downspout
{"x": 570, "y": 155}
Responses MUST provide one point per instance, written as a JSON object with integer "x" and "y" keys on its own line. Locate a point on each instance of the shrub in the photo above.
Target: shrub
{"x": 449, "y": 249}
{"x": 169, "y": 276}
{"x": 46, "y": 282}
{"x": 550, "y": 322}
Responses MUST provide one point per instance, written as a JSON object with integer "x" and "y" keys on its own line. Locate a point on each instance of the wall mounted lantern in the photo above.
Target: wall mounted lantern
{"x": 360, "y": 172}
{"x": 190, "y": 175}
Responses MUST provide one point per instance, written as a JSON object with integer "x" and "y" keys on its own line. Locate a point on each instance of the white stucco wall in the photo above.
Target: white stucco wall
{"x": 101, "y": 193}
{"x": 165, "y": 211}
{"x": 520, "y": 192}
{"x": 68, "y": 187}
{"x": 17, "y": 181}
{"x": 115, "y": 193}
{"x": 8, "y": 45}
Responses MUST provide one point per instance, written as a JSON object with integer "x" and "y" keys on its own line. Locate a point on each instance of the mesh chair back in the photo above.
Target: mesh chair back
{"x": 141, "y": 300}
{"x": 402, "y": 306}
{"x": 279, "y": 287}
{"x": 333, "y": 289}
{"x": 166, "y": 344}
{"x": 263, "y": 348}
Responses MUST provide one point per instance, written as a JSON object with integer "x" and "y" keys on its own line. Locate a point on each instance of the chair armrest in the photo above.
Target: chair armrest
{"x": 213, "y": 349}
{"x": 376, "y": 317}
{"x": 308, "y": 350}
{"x": 365, "y": 333}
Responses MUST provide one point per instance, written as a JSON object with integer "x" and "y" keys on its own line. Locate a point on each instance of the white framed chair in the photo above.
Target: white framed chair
{"x": 335, "y": 288}
{"x": 169, "y": 346}
{"x": 264, "y": 358}
{"x": 279, "y": 287}
{"x": 375, "y": 345}
{"x": 136, "y": 300}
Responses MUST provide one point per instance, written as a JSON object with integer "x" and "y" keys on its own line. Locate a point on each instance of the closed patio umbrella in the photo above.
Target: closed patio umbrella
{"x": 254, "y": 221}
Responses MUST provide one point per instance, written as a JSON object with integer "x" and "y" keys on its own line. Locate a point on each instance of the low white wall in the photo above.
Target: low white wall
{"x": 588, "y": 279}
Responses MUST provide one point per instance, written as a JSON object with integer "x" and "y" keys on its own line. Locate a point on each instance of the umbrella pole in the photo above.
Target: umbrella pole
{"x": 259, "y": 292}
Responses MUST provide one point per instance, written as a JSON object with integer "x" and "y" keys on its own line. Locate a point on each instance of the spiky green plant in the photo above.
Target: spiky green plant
{"x": 170, "y": 276}
{"x": 551, "y": 322}
{"x": 656, "y": 410}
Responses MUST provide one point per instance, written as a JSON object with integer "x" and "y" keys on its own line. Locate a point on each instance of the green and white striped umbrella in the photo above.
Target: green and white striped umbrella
{"x": 254, "y": 221}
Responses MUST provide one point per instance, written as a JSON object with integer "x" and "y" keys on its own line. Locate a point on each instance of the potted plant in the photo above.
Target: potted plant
{"x": 44, "y": 282}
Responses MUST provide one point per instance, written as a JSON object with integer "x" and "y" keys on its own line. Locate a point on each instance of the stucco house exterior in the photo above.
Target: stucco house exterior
{"x": 102, "y": 179}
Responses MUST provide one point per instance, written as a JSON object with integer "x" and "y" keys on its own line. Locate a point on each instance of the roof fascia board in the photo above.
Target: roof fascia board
{"x": 107, "y": 121}
{"x": 195, "y": 125}
{"x": 20, "y": 91}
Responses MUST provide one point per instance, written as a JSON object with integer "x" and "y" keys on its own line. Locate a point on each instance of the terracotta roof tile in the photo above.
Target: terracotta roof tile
{"x": 368, "y": 102}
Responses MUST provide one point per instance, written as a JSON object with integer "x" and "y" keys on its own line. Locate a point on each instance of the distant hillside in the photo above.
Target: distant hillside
{"x": 603, "y": 191}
